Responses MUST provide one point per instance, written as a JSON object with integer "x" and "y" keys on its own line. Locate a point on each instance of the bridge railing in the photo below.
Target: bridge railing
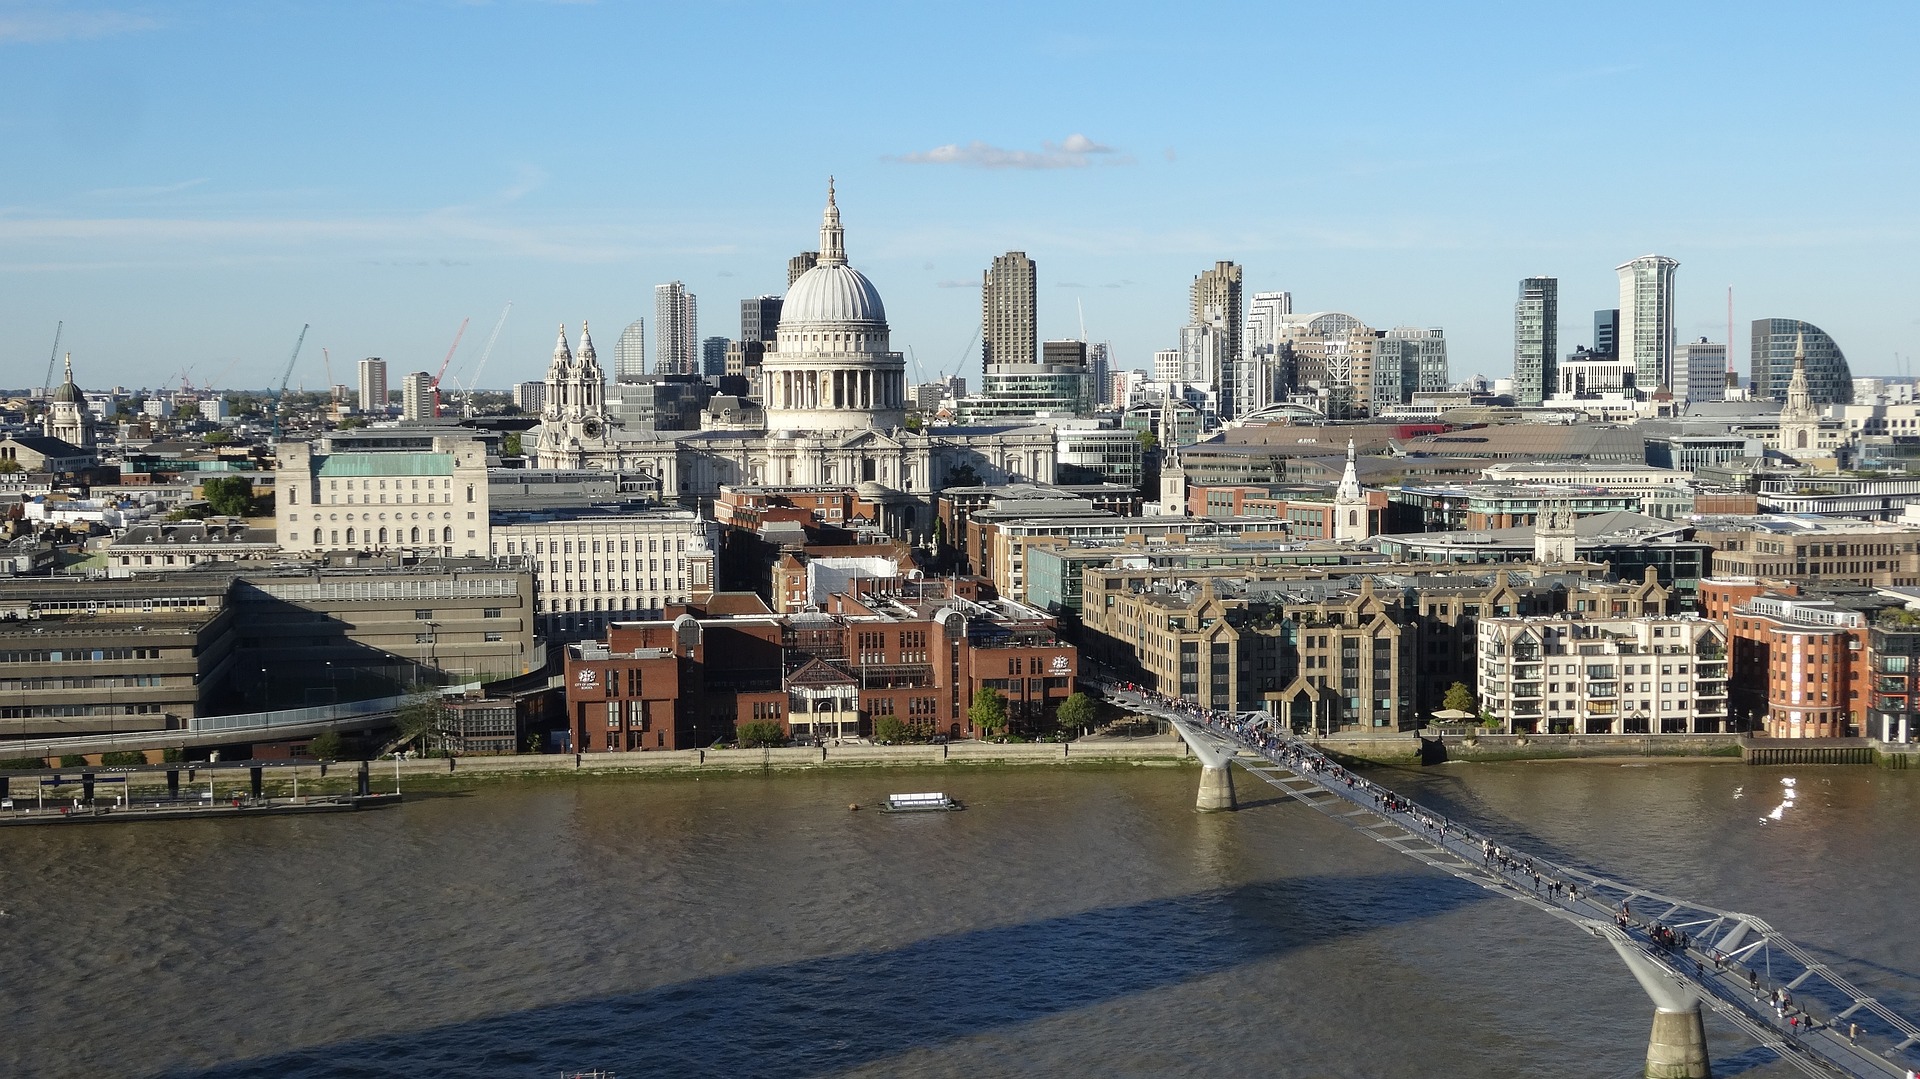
{"x": 1715, "y": 954}
{"x": 319, "y": 713}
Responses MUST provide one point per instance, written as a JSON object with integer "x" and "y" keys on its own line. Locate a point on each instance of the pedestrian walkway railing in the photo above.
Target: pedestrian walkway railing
{"x": 1773, "y": 989}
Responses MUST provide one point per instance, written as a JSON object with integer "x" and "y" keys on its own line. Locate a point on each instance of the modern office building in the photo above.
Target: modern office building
{"x": 676, "y": 330}
{"x": 759, "y": 318}
{"x": 418, "y": 398}
{"x": 1264, "y": 314}
{"x": 530, "y": 397}
{"x": 713, "y": 357}
{"x": 798, "y": 265}
{"x": 1218, "y": 289}
{"x": 1099, "y": 364}
{"x": 629, "y": 353}
{"x": 1009, "y": 328}
{"x": 1700, "y": 372}
{"x": 1606, "y": 332}
{"x": 1829, "y": 379}
{"x": 1646, "y": 319}
{"x": 1536, "y": 344}
{"x": 373, "y": 385}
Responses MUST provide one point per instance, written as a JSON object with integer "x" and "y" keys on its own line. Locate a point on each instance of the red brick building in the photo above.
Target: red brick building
{"x": 918, "y": 652}
{"x": 1798, "y": 667}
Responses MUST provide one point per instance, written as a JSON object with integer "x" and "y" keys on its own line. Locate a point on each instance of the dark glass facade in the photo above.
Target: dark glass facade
{"x": 1829, "y": 380}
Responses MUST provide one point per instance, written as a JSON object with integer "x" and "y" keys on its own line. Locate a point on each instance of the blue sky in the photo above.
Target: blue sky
{"x": 186, "y": 183}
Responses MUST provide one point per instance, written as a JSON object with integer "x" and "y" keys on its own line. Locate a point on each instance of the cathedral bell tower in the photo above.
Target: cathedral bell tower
{"x": 574, "y": 424}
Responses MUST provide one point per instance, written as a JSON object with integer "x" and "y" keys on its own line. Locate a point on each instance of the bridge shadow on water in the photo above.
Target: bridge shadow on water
{"x": 832, "y": 1013}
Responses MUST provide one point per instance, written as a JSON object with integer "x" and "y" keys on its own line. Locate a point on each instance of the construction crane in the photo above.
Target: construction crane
{"x": 466, "y": 400}
{"x": 327, "y": 358}
{"x": 46, "y": 384}
{"x": 462, "y": 332}
{"x": 284, "y": 376}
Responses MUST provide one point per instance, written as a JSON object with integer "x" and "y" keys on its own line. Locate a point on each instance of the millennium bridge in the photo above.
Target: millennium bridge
{"x": 1686, "y": 955}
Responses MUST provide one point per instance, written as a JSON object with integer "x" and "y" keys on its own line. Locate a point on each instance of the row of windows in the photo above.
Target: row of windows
{"x": 654, "y": 546}
{"x": 56, "y": 710}
{"x": 78, "y": 655}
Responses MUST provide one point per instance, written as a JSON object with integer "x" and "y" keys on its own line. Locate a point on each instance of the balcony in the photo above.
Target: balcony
{"x": 1603, "y": 708}
{"x": 1603, "y": 689}
{"x": 1526, "y": 689}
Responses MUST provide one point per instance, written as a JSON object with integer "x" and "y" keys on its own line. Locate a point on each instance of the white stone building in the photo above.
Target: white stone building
{"x": 1568, "y": 674}
{"x": 592, "y": 567}
{"x": 382, "y": 490}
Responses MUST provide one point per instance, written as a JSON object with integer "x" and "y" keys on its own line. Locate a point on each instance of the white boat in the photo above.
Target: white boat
{"x": 920, "y": 803}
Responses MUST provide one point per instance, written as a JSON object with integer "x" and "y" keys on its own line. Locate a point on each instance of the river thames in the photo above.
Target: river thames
{"x": 1069, "y": 922}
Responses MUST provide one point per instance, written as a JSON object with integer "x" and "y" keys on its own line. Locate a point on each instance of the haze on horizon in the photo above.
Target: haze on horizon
{"x": 189, "y": 182}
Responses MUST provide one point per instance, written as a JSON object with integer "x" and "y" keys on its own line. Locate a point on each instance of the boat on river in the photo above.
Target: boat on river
{"x": 933, "y": 802}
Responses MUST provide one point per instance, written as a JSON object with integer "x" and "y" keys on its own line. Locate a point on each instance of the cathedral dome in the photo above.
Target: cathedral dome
{"x": 66, "y": 394}
{"x": 836, "y": 293}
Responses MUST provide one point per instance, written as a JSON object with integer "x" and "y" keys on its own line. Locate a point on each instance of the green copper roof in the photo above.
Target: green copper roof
{"x": 354, "y": 465}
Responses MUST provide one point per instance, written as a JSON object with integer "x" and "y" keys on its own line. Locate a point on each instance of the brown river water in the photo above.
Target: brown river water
{"x": 1069, "y": 922}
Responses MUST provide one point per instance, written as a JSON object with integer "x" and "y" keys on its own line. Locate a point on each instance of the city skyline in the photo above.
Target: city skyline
{"x": 170, "y": 221}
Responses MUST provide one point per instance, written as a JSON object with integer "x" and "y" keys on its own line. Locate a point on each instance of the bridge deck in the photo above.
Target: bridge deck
{"x": 1736, "y": 964}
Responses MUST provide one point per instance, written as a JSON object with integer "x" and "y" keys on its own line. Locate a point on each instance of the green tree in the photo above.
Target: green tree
{"x": 217, "y": 438}
{"x": 1459, "y": 698}
{"x": 510, "y": 445}
{"x": 889, "y": 729}
{"x": 229, "y": 496}
{"x": 988, "y": 711}
{"x": 73, "y": 760}
{"x": 420, "y": 718}
{"x": 1149, "y": 442}
{"x": 761, "y": 734}
{"x": 1075, "y": 713}
{"x": 9, "y": 467}
{"x": 964, "y": 476}
{"x": 20, "y": 764}
{"x": 914, "y": 421}
{"x": 326, "y": 746}
{"x": 126, "y": 758}
{"x": 352, "y": 423}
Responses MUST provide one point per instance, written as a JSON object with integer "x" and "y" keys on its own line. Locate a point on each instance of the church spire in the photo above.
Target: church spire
{"x": 1799, "y": 398}
{"x": 69, "y": 368}
{"x": 1349, "y": 489}
{"x": 833, "y": 239}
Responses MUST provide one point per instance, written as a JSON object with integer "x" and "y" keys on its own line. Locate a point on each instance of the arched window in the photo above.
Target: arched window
{"x": 316, "y": 537}
{"x": 293, "y": 497}
{"x": 414, "y": 537}
{"x": 349, "y": 535}
{"x": 469, "y": 492}
{"x": 446, "y": 535}
{"x": 383, "y": 536}
{"x": 1353, "y": 517}
{"x": 1802, "y": 440}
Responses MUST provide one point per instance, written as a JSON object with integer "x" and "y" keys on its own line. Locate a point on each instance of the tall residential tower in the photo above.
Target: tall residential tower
{"x": 676, "y": 330}
{"x": 1646, "y": 319}
{"x": 1536, "y": 340}
{"x": 1009, "y": 324}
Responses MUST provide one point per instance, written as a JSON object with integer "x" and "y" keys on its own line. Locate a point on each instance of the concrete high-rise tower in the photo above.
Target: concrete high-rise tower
{"x": 676, "y": 330}
{"x": 800, "y": 264}
{"x": 760, "y": 318}
{"x": 1646, "y": 319}
{"x": 418, "y": 401}
{"x": 373, "y": 385}
{"x": 1219, "y": 289}
{"x": 630, "y": 352}
{"x": 1536, "y": 340}
{"x": 1009, "y": 313}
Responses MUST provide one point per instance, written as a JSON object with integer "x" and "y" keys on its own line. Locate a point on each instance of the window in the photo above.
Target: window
{"x": 490, "y": 612}
{"x": 422, "y": 615}
{"x": 493, "y": 637}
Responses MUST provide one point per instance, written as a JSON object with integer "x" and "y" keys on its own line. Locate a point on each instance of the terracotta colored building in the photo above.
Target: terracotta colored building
{"x": 1798, "y": 667}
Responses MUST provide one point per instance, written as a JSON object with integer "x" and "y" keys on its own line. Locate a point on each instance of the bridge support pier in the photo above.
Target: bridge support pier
{"x": 1677, "y": 1048}
{"x": 1216, "y": 780}
{"x": 1216, "y": 788}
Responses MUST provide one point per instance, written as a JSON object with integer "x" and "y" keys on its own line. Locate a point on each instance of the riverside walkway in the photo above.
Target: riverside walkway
{"x": 1686, "y": 955}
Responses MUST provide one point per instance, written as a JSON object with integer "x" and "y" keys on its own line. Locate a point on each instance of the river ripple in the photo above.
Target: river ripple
{"x": 1070, "y": 922}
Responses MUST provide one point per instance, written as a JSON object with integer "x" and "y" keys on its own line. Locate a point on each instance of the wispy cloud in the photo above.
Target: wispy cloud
{"x": 146, "y": 192}
{"x": 1076, "y": 151}
{"x": 1068, "y": 284}
{"x": 955, "y": 283}
{"x": 33, "y": 26}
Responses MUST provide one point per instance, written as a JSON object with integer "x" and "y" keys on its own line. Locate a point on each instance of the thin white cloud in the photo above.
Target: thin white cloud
{"x": 1076, "y": 151}
{"x": 955, "y": 283}
{"x": 153, "y": 191}
{"x": 33, "y": 27}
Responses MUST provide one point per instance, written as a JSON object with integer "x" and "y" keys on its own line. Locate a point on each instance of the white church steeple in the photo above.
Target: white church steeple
{"x": 1352, "y": 514}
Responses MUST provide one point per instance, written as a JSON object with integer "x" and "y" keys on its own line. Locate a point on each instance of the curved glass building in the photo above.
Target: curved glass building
{"x": 1829, "y": 380}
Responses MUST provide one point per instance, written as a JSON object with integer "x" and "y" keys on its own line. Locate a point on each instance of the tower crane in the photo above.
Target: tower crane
{"x": 46, "y": 384}
{"x": 284, "y": 376}
{"x": 466, "y": 402}
{"x": 327, "y": 358}
{"x": 462, "y": 332}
